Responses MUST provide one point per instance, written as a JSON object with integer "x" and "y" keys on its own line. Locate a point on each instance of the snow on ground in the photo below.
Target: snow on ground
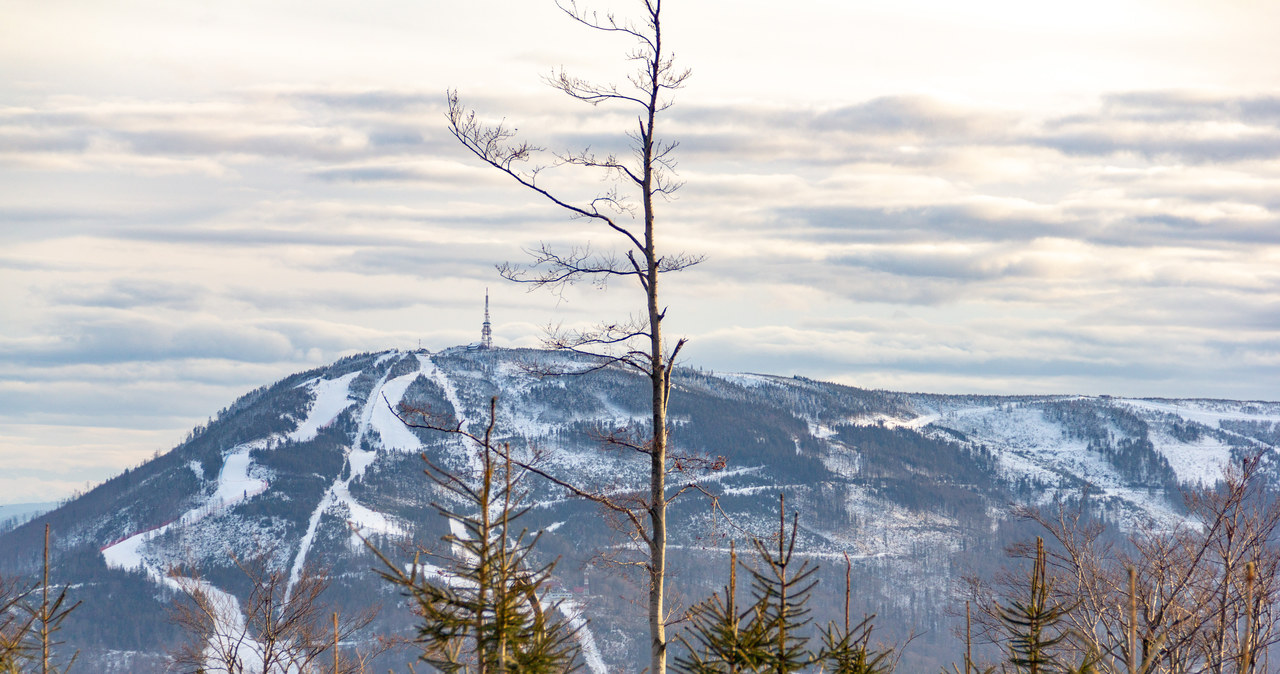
{"x": 895, "y": 422}
{"x": 719, "y": 475}
{"x": 618, "y": 416}
{"x": 235, "y": 484}
{"x": 330, "y": 400}
{"x": 382, "y": 418}
{"x": 759, "y": 489}
{"x": 820, "y": 431}
{"x": 841, "y": 460}
{"x": 431, "y": 371}
{"x": 1209, "y": 412}
{"x": 1025, "y": 443}
{"x": 1200, "y": 461}
{"x": 459, "y": 531}
{"x": 229, "y": 629}
{"x": 127, "y": 554}
{"x": 746, "y": 379}
{"x": 365, "y": 520}
{"x": 304, "y": 545}
{"x": 1028, "y": 444}
{"x": 887, "y": 529}
{"x": 574, "y": 613}
{"x": 513, "y": 376}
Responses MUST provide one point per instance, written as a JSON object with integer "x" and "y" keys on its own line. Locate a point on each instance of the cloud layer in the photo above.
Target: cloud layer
{"x": 169, "y": 244}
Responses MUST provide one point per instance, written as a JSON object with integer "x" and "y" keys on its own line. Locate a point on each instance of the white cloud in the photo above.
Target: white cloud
{"x": 933, "y": 196}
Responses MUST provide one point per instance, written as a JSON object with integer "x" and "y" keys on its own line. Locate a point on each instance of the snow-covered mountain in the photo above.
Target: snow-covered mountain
{"x": 913, "y": 487}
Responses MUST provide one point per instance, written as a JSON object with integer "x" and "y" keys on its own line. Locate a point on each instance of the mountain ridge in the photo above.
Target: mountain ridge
{"x": 900, "y": 481}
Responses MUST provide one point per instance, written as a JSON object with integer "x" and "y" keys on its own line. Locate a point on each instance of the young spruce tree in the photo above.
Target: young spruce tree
{"x": 1032, "y": 623}
{"x": 485, "y": 612}
{"x": 768, "y": 636}
{"x": 847, "y": 649}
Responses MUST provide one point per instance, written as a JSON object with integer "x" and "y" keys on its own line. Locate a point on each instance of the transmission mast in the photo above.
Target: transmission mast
{"x": 486, "y": 331}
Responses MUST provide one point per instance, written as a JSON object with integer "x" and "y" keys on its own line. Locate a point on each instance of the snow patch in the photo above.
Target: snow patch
{"x": 365, "y": 521}
{"x": 1027, "y": 444}
{"x": 375, "y": 414}
{"x": 1201, "y": 461}
{"x": 330, "y": 401}
{"x": 746, "y": 379}
{"x": 574, "y": 614}
{"x": 235, "y": 484}
{"x": 820, "y": 431}
{"x": 1209, "y": 412}
{"x": 1198, "y": 463}
{"x": 395, "y": 435}
{"x": 895, "y": 422}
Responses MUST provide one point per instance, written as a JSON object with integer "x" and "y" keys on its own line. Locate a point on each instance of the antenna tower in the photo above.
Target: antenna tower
{"x": 486, "y": 331}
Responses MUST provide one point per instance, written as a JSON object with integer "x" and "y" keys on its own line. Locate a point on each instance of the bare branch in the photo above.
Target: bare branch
{"x": 404, "y": 414}
{"x": 588, "y": 92}
{"x": 610, "y": 23}
{"x": 492, "y": 145}
{"x": 560, "y": 270}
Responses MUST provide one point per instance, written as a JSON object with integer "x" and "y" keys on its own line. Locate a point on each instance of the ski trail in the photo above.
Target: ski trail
{"x": 234, "y": 485}
{"x": 574, "y": 613}
{"x": 441, "y": 379}
{"x": 331, "y": 495}
{"x": 474, "y": 461}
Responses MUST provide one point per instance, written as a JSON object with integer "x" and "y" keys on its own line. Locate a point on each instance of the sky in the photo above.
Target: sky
{"x": 199, "y": 198}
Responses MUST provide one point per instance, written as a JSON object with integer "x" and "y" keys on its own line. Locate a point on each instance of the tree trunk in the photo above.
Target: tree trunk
{"x": 659, "y": 378}
{"x": 658, "y": 453}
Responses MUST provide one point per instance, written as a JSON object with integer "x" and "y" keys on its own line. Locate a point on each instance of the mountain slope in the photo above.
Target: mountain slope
{"x": 907, "y": 484}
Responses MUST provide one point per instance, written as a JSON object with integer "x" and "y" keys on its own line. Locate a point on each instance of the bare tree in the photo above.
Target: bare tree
{"x": 30, "y": 617}
{"x": 270, "y": 632}
{"x": 628, "y": 211}
{"x": 1200, "y": 596}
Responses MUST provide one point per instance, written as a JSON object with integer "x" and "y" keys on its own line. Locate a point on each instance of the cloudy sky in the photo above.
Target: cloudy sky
{"x": 197, "y": 198}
